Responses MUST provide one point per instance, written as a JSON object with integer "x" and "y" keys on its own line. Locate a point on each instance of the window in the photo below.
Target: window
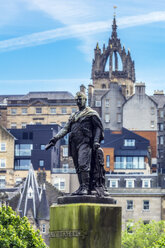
{"x": 13, "y": 111}
{"x": 119, "y": 118}
{"x": 161, "y": 114}
{"x": 41, "y": 163}
{"x": 65, "y": 151}
{"x": 152, "y": 111}
{"x": 146, "y": 183}
{"x": 24, "y": 124}
{"x": 130, "y": 183}
{"x": 3, "y": 147}
{"x": 42, "y": 147}
{"x": 108, "y": 161}
{"x": 146, "y": 222}
{"x": 129, "y": 142}
{"x": 129, "y": 163}
{"x": 146, "y": 205}
{"x": 160, "y": 127}
{"x": 63, "y": 111}
{"x": 152, "y": 124}
{"x": 24, "y": 111}
{"x": 13, "y": 125}
{"x": 2, "y": 163}
{"x": 129, "y": 226}
{"x": 118, "y": 103}
{"x": 44, "y": 228}
{"x": 22, "y": 164}
{"x": 74, "y": 110}
{"x": 2, "y": 181}
{"x": 23, "y": 149}
{"x": 53, "y": 110}
{"x": 129, "y": 204}
{"x": 97, "y": 103}
{"x": 38, "y": 110}
{"x": 107, "y": 118}
{"x": 30, "y": 193}
{"x": 106, "y": 103}
{"x": 59, "y": 183}
{"x": 161, "y": 140}
{"x": 113, "y": 183}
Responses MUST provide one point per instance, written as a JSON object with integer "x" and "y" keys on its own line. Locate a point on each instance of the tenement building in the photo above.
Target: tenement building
{"x": 140, "y": 116}
{"x": 140, "y": 196}
{"x": 159, "y": 98}
{"x": 16, "y": 111}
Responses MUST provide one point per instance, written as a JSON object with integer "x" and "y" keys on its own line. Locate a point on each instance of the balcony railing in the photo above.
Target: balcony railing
{"x": 129, "y": 165}
{"x": 63, "y": 170}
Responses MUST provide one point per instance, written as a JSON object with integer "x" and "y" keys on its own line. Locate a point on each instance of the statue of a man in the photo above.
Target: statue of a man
{"x": 86, "y": 133}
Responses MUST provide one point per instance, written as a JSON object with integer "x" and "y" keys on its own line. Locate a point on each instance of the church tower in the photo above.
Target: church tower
{"x": 113, "y": 64}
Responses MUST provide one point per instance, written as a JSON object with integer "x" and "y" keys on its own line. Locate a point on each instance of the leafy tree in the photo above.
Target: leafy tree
{"x": 16, "y": 232}
{"x": 151, "y": 235}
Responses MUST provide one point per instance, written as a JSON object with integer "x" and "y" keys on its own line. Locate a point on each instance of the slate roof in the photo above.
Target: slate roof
{"x": 159, "y": 99}
{"x": 43, "y": 210}
{"x": 45, "y": 94}
{"x": 116, "y": 141}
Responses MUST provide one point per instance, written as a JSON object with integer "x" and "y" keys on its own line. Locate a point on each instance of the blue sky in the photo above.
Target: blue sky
{"x": 47, "y": 45}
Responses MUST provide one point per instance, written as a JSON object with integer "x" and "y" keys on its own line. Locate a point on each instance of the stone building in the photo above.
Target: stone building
{"x": 6, "y": 158}
{"x": 16, "y": 111}
{"x": 140, "y": 116}
{"x": 140, "y": 196}
{"x": 159, "y": 98}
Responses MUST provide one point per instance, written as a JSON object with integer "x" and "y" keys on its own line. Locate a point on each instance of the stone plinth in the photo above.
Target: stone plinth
{"x": 85, "y": 225}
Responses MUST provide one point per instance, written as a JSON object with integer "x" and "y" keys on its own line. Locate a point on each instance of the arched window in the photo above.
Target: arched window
{"x": 107, "y": 65}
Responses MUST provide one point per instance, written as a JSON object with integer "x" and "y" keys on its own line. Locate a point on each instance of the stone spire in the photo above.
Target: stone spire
{"x": 114, "y": 29}
{"x": 29, "y": 199}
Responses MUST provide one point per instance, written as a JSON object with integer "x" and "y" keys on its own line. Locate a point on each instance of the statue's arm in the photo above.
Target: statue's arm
{"x": 97, "y": 134}
{"x": 61, "y": 133}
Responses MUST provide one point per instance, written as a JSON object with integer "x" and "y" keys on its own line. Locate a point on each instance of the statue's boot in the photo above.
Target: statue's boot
{"x": 85, "y": 177}
{"x": 80, "y": 182}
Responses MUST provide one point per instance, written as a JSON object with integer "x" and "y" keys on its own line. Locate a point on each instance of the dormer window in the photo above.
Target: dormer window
{"x": 30, "y": 193}
{"x": 129, "y": 142}
{"x": 146, "y": 183}
{"x": 130, "y": 182}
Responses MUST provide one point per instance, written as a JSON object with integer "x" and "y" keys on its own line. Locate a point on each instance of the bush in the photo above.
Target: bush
{"x": 151, "y": 235}
{"x": 16, "y": 232}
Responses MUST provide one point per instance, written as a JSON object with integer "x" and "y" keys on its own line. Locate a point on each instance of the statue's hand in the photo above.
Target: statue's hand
{"x": 53, "y": 141}
{"x": 96, "y": 145}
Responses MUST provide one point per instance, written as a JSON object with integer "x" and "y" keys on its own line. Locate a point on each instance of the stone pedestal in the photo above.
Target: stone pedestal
{"x": 85, "y": 225}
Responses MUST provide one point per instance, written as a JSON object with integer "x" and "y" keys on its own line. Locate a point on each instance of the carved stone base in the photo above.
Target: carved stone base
{"x": 85, "y": 199}
{"x": 85, "y": 225}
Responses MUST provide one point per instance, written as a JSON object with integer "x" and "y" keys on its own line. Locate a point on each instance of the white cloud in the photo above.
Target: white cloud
{"x": 81, "y": 31}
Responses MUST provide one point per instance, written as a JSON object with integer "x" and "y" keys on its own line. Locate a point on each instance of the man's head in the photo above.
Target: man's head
{"x": 80, "y": 99}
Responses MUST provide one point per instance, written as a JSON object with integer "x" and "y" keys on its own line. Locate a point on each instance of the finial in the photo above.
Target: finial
{"x": 97, "y": 46}
{"x": 115, "y": 7}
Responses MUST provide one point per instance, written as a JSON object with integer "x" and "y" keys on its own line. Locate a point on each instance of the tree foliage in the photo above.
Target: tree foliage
{"x": 151, "y": 235}
{"x": 16, "y": 232}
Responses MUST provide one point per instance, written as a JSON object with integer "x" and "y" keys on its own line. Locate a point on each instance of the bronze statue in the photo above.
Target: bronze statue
{"x": 86, "y": 133}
